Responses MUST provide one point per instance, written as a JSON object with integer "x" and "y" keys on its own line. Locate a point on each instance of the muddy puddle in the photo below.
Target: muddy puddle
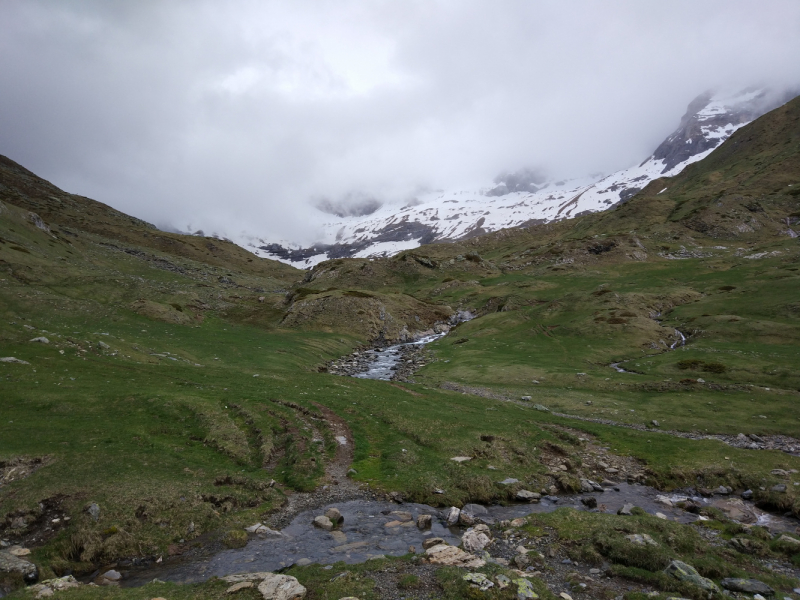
{"x": 364, "y": 533}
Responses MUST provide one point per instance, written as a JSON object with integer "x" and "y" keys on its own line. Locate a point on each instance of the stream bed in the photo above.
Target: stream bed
{"x": 364, "y": 533}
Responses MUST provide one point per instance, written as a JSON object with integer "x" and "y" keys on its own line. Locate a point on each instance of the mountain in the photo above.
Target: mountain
{"x": 162, "y": 392}
{"x": 524, "y": 197}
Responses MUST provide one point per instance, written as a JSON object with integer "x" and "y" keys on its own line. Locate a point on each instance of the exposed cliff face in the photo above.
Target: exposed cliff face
{"x": 526, "y": 197}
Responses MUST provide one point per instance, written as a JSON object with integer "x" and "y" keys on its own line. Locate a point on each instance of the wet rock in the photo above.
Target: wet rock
{"x": 452, "y": 515}
{"x": 747, "y": 586}
{"x": 527, "y": 496}
{"x": 260, "y": 529}
{"x": 626, "y": 510}
{"x": 466, "y": 519}
{"x": 589, "y": 502}
{"x": 475, "y": 509}
{"x": 747, "y": 495}
{"x": 586, "y": 486}
{"x": 339, "y": 536}
{"x": 13, "y": 564}
{"x": 476, "y": 538}
{"x": 323, "y": 522}
{"x": 335, "y": 516}
{"x": 442, "y": 554}
{"x": 641, "y": 539}
{"x": 112, "y": 575}
{"x": 281, "y": 587}
{"x": 424, "y": 521}
{"x": 430, "y": 542}
{"x": 683, "y": 572}
{"x": 402, "y": 515}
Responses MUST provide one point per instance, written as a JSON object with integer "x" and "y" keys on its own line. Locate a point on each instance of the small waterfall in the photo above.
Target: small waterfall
{"x": 682, "y": 341}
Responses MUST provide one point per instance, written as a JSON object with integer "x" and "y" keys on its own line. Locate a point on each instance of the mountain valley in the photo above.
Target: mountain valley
{"x": 163, "y": 392}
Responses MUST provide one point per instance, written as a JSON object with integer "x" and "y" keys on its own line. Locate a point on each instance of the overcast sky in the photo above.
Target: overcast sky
{"x": 240, "y": 115}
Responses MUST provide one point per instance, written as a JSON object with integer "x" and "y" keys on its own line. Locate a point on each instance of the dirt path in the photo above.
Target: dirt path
{"x": 336, "y": 487}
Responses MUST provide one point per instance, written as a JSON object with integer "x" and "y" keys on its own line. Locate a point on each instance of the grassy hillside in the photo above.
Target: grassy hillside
{"x": 181, "y": 374}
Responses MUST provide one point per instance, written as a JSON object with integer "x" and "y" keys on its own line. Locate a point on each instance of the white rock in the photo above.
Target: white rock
{"x": 41, "y": 340}
{"x": 11, "y": 359}
{"x": 452, "y": 515}
{"x": 476, "y": 538}
{"x": 281, "y": 587}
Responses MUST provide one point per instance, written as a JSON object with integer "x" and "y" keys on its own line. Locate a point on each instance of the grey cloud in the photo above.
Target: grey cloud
{"x": 231, "y": 116}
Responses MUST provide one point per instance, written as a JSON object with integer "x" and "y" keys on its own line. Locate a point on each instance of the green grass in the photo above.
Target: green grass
{"x": 181, "y": 379}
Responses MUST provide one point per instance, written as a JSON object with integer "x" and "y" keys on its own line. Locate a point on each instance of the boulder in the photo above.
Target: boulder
{"x": 476, "y": 538}
{"x": 323, "y": 522}
{"x": 402, "y": 515}
{"x": 48, "y": 587}
{"x": 442, "y": 554}
{"x": 466, "y": 519}
{"x": 626, "y": 510}
{"x": 11, "y": 359}
{"x": 94, "y": 511}
{"x": 589, "y": 501}
{"x": 789, "y": 541}
{"x": 683, "y": 572}
{"x": 527, "y": 496}
{"x": 747, "y": 586}
{"x": 475, "y": 509}
{"x": 430, "y": 542}
{"x": 281, "y": 587}
{"x": 780, "y": 488}
{"x": 524, "y": 589}
{"x": 335, "y": 516}
{"x": 424, "y": 521}
{"x": 479, "y": 580}
{"x": 451, "y": 517}
{"x": 586, "y": 486}
{"x": 521, "y": 561}
{"x": 13, "y": 564}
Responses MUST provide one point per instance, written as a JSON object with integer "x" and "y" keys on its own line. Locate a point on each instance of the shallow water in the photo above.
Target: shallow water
{"x": 364, "y": 534}
{"x": 385, "y": 361}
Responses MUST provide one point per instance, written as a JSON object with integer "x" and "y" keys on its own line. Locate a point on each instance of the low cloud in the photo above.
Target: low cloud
{"x": 242, "y": 115}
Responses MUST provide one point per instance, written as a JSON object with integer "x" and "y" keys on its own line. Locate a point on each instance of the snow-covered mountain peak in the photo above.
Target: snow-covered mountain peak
{"x": 520, "y": 198}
